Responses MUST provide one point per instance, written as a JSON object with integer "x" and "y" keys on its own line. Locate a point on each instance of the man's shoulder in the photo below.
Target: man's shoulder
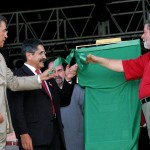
{"x": 78, "y": 87}
{"x": 18, "y": 71}
{"x": 23, "y": 71}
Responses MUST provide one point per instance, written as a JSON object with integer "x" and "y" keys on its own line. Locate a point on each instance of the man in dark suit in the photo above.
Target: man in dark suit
{"x": 8, "y": 80}
{"x": 73, "y": 114}
{"x": 36, "y": 114}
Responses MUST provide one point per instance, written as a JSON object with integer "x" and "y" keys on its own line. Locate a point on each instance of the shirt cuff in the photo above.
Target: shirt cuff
{"x": 39, "y": 79}
{"x": 70, "y": 82}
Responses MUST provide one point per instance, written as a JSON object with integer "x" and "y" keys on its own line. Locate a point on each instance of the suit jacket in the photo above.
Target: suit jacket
{"x": 31, "y": 110}
{"x": 72, "y": 118}
{"x": 8, "y": 80}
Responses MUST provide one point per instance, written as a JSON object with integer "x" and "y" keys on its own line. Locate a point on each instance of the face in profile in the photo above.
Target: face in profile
{"x": 146, "y": 36}
{"x": 3, "y": 33}
{"x": 38, "y": 58}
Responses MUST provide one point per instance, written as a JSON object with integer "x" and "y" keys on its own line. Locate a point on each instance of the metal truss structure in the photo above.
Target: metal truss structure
{"x": 64, "y": 28}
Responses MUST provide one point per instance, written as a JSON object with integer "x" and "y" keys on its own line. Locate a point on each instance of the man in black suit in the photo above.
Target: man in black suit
{"x": 36, "y": 122}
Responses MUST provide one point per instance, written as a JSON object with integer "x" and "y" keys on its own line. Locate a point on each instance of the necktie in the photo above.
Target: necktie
{"x": 47, "y": 91}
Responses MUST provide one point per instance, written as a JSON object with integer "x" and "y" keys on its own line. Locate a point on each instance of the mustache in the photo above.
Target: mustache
{"x": 58, "y": 77}
{"x": 43, "y": 60}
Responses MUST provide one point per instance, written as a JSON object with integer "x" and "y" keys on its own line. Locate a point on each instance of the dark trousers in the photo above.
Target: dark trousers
{"x": 56, "y": 143}
{"x": 143, "y": 139}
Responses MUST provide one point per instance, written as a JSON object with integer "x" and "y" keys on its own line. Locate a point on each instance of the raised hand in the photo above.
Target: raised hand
{"x": 70, "y": 72}
{"x": 91, "y": 58}
{"x": 47, "y": 74}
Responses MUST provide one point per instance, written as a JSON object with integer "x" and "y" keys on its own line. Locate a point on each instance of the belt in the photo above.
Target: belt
{"x": 145, "y": 100}
{"x": 11, "y": 143}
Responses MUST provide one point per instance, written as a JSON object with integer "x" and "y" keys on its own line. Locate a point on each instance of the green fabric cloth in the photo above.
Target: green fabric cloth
{"x": 112, "y": 107}
{"x": 61, "y": 60}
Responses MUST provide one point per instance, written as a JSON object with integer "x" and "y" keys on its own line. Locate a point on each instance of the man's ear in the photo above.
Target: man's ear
{"x": 29, "y": 55}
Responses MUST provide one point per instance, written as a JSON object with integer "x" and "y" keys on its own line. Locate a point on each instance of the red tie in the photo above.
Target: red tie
{"x": 45, "y": 87}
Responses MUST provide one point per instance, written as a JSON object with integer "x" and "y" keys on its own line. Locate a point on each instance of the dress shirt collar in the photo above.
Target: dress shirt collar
{"x": 31, "y": 68}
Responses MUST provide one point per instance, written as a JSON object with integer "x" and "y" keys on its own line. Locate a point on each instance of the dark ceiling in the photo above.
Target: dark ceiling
{"x": 30, "y": 5}
{"x": 116, "y": 15}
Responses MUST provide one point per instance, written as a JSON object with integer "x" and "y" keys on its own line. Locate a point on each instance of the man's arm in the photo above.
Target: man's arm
{"x": 66, "y": 93}
{"x": 26, "y": 83}
{"x": 112, "y": 64}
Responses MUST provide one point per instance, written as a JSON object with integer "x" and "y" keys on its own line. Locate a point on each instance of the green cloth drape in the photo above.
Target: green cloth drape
{"x": 112, "y": 107}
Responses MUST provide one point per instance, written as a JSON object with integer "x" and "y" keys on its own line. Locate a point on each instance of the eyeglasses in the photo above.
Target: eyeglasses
{"x": 39, "y": 53}
{"x": 42, "y": 52}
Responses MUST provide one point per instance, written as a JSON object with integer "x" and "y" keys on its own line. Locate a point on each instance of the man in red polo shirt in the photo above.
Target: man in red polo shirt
{"x": 133, "y": 69}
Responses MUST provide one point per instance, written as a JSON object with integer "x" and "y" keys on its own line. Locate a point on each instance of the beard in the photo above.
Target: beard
{"x": 146, "y": 45}
{"x": 59, "y": 81}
